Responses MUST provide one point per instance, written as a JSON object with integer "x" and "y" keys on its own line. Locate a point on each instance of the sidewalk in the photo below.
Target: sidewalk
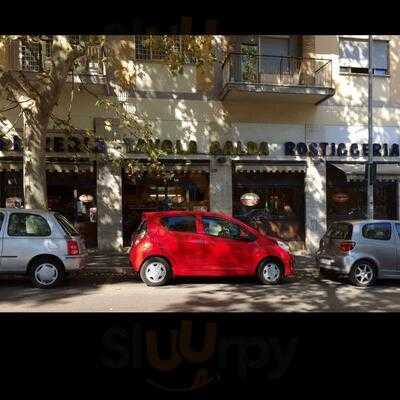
{"x": 101, "y": 261}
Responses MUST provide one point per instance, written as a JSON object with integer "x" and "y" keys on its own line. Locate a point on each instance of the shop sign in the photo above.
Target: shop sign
{"x": 249, "y": 199}
{"x": 13, "y": 202}
{"x": 217, "y": 148}
{"x": 340, "y": 149}
{"x": 59, "y": 144}
{"x": 340, "y": 197}
{"x": 177, "y": 199}
{"x": 86, "y": 198}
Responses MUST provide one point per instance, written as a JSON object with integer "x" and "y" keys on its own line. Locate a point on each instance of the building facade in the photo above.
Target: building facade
{"x": 275, "y": 133}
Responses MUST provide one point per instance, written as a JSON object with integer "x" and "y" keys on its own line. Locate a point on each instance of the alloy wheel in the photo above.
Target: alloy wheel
{"x": 363, "y": 274}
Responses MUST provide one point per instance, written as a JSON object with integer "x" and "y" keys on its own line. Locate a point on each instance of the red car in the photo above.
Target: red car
{"x": 183, "y": 243}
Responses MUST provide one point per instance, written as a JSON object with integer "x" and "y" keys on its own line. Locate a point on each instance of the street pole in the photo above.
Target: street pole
{"x": 370, "y": 185}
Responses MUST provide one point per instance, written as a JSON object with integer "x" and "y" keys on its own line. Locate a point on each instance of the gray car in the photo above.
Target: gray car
{"x": 364, "y": 250}
{"x": 42, "y": 244}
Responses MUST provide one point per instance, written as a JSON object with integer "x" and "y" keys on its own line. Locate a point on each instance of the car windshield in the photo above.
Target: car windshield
{"x": 68, "y": 228}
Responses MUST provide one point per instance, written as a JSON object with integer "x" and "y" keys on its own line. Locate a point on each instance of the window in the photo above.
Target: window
{"x": 225, "y": 229}
{"x": 1, "y": 220}
{"x": 68, "y": 228}
{"x": 340, "y": 231}
{"x": 23, "y": 224}
{"x": 31, "y": 57}
{"x": 398, "y": 229}
{"x": 180, "y": 224}
{"x": 274, "y": 52}
{"x": 147, "y": 48}
{"x": 353, "y": 55}
{"x": 36, "y": 56}
{"x": 378, "y": 231}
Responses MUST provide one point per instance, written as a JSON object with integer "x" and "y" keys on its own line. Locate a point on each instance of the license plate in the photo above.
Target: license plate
{"x": 325, "y": 261}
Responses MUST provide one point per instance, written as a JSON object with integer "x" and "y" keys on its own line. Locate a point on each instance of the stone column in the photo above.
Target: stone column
{"x": 221, "y": 185}
{"x": 109, "y": 207}
{"x": 315, "y": 199}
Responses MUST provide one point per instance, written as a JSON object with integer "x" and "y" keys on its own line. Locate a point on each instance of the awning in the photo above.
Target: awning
{"x": 10, "y": 166}
{"x": 356, "y": 172}
{"x": 51, "y": 167}
{"x": 69, "y": 167}
{"x": 270, "y": 168}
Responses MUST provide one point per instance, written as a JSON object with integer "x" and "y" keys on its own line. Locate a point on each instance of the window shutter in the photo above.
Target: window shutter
{"x": 353, "y": 53}
{"x": 380, "y": 54}
{"x": 274, "y": 47}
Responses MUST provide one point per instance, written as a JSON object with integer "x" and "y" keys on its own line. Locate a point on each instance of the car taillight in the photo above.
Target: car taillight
{"x": 346, "y": 246}
{"x": 73, "y": 248}
{"x": 138, "y": 237}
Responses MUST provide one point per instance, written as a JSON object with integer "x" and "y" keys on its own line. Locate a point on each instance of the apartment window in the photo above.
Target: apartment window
{"x": 146, "y": 49}
{"x": 274, "y": 55}
{"x": 31, "y": 57}
{"x": 353, "y": 55}
{"x": 36, "y": 56}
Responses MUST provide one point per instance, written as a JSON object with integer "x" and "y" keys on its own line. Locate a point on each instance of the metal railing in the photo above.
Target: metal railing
{"x": 276, "y": 70}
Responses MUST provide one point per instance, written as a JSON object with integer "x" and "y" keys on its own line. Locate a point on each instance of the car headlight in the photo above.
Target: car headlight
{"x": 283, "y": 245}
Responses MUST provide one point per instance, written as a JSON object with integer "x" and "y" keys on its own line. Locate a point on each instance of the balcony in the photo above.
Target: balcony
{"x": 276, "y": 78}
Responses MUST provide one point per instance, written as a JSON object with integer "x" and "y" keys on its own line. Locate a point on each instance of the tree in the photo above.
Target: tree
{"x": 36, "y": 95}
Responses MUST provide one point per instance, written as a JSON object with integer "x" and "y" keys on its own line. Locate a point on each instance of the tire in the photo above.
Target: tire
{"x": 363, "y": 274}
{"x": 156, "y": 271}
{"x": 270, "y": 272}
{"x": 46, "y": 273}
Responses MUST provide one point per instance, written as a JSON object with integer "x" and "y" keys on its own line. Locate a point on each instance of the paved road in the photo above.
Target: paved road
{"x": 115, "y": 292}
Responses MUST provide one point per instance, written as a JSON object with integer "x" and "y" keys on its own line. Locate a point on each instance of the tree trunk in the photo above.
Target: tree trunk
{"x": 34, "y": 161}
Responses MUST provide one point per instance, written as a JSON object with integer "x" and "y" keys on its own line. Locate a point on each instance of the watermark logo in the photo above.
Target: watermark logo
{"x": 184, "y": 359}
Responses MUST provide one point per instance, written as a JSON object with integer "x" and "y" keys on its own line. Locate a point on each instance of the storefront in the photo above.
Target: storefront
{"x": 346, "y": 191}
{"x": 271, "y": 198}
{"x": 71, "y": 190}
{"x": 186, "y": 189}
{"x": 11, "y": 192}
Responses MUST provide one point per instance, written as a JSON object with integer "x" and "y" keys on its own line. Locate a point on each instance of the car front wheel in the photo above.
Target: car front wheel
{"x": 155, "y": 272}
{"x": 46, "y": 273}
{"x": 270, "y": 272}
{"x": 363, "y": 274}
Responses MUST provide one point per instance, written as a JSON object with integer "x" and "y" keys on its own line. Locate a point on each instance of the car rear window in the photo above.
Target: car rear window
{"x": 340, "y": 231}
{"x": 377, "y": 231}
{"x": 180, "y": 223}
{"x": 67, "y": 227}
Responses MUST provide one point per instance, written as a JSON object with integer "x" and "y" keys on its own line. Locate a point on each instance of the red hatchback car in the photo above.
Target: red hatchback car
{"x": 183, "y": 243}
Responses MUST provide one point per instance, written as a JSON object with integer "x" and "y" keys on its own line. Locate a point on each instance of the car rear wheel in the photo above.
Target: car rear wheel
{"x": 155, "y": 272}
{"x": 363, "y": 274}
{"x": 46, "y": 273}
{"x": 270, "y": 272}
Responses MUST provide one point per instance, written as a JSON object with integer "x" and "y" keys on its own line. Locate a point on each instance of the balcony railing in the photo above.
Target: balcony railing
{"x": 243, "y": 68}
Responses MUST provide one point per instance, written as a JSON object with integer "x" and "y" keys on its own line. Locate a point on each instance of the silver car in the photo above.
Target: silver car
{"x": 364, "y": 250}
{"x": 42, "y": 244}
